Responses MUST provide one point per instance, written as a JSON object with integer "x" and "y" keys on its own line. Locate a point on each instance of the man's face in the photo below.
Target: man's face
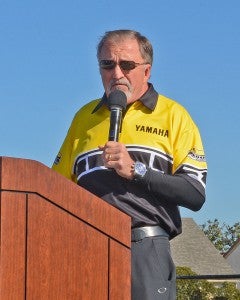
{"x": 132, "y": 82}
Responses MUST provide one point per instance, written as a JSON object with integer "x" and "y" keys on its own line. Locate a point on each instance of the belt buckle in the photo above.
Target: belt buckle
{"x": 147, "y": 231}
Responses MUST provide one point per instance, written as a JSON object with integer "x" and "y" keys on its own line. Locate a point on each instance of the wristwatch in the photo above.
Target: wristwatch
{"x": 139, "y": 170}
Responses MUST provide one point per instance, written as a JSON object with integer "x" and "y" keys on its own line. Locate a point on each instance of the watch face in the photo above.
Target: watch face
{"x": 139, "y": 169}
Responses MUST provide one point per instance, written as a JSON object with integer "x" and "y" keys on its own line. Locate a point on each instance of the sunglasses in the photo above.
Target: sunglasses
{"x": 125, "y": 65}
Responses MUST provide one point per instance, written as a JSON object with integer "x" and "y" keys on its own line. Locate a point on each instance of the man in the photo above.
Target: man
{"x": 157, "y": 165}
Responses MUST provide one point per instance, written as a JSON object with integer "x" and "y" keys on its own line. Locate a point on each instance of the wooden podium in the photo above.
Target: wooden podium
{"x": 58, "y": 241}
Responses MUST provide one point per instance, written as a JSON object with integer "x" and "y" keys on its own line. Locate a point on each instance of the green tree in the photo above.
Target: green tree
{"x": 223, "y": 236}
{"x": 195, "y": 289}
{"x": 192, "y": 289}
{"x": 228, "y": 290}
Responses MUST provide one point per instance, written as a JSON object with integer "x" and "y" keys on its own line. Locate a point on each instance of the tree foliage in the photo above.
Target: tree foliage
{"x": 192, "y": 289}
{"x": 195, "y": 289}
{"x": 223, "y": 236}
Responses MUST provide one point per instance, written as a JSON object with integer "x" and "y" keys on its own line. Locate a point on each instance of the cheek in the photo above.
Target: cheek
{"x": 105, "y": 78}
{"x": 137, "y": 80}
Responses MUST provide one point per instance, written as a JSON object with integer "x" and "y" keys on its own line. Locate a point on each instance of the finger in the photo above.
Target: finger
{"x": 108, "y": 157}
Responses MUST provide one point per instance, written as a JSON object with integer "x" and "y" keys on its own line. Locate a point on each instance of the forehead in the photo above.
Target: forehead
{"x": 124, "y": 48}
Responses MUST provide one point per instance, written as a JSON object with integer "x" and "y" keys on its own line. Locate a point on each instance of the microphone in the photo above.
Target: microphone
{"x": 117, "y": 102}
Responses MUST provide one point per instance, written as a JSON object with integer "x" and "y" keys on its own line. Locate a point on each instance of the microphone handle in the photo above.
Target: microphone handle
{"x": 115, "y": 124}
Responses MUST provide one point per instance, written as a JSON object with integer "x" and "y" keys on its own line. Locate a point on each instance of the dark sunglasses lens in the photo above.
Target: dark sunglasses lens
{"x": 127, "y": 65}
{"x": 107, "y": 64}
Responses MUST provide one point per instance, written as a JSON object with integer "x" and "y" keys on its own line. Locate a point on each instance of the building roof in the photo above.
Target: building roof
{"x": 193, "y": 249}
{"x": 233, "y": 248}
{"x": 233, "y": 256}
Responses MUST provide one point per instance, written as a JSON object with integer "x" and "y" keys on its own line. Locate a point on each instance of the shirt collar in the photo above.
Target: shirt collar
{"x": 149, "y": 99}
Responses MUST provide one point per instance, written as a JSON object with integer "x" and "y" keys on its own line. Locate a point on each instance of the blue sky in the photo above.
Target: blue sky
{"x": 48, "y": 70}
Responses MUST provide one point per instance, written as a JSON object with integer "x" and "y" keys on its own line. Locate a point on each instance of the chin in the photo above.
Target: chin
{"x": 122, "y": 88}
{"x": 119, "y": 87}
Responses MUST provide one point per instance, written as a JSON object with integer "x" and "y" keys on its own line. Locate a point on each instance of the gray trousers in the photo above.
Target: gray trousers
{"x": 153, "y": 270}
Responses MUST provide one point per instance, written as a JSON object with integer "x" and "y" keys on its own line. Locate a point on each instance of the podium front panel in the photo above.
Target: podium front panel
{"x": 57, "y": 240}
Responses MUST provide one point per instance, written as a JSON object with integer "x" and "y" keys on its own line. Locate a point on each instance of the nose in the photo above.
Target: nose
{"x": 117, "y": 72}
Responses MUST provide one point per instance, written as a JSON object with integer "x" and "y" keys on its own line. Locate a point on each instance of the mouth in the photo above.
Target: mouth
{"x": 119, "y": 86}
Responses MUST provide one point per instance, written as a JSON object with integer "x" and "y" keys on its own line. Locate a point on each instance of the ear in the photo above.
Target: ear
{"x": 148, "y": 71}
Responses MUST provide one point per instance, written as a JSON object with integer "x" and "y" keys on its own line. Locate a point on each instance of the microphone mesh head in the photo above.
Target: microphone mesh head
{"x": 117, "y": 98}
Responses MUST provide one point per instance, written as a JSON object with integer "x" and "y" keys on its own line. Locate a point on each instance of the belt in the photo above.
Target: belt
{"x": 140, "y": 233}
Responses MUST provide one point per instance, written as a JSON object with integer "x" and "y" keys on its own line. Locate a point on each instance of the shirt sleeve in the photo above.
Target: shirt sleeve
{"x": 185, "y": 186}
{"x": 189, "y": 160}
{"x": 63, "y": 160}
{"x": 174, "y": 189}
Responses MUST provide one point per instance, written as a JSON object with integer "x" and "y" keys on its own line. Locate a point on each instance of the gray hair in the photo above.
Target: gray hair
{"x": 145, "y": 46}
